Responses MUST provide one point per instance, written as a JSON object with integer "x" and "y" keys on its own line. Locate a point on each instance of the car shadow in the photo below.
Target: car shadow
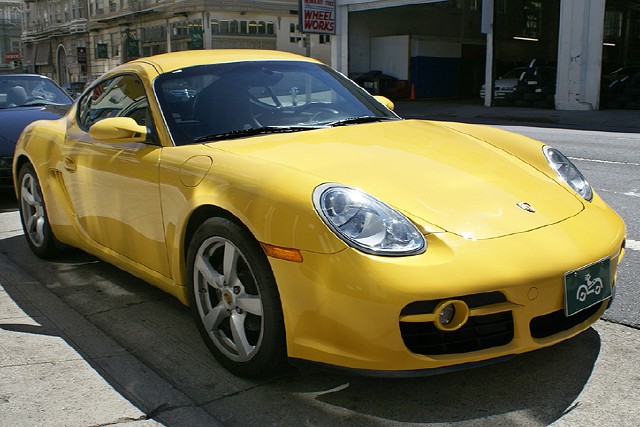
{"x": 534, "y": 389}
{"x": 542, "y": 384}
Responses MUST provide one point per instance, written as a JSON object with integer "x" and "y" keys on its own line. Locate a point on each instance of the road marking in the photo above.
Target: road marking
{"x": 609, "y": 162}
{"x": 634, "y": 245}
{"x": 631, "y": 193}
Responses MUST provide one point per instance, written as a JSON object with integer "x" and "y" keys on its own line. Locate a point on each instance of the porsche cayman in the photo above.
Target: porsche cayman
{"x": 304, "y": 222}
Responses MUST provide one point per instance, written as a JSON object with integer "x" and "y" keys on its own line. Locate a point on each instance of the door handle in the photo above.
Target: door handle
{"x": 70, "y": 164}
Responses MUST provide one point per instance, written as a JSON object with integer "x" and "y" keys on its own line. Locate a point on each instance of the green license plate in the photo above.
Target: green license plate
{"x": 587, "y": 286}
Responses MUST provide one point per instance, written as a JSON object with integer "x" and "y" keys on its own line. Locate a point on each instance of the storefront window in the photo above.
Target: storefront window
{"x": 612, "y": 25}
{"x": 532, "y": 15}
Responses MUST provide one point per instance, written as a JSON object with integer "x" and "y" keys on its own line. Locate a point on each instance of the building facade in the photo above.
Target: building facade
{"x": 10, "y": 31}
{"x": 78, "y": 40}
{"x": 445, "y": 48}
{"x": 449, "y": 48}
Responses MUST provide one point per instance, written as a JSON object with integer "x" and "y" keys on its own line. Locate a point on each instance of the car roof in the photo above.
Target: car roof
{"x": 14, "y": 75}
{"x": 168, "y": 62}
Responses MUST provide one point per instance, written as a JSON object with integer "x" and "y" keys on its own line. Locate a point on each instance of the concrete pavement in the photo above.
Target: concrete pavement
{"x": 58, "y": 369}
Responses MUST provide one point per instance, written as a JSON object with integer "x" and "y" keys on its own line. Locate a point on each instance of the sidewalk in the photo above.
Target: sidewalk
{"x": 58, "y": 369}
{"x": 475, "y": 112}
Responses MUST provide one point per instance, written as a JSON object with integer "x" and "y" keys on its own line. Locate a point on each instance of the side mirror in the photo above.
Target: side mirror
{"x": 385, "y": 101}
{"x": 118, "y": 129}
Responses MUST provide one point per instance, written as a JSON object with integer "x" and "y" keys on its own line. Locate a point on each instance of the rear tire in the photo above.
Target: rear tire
{"x": 33, "y": 214}
{"x": 234, "y": 299}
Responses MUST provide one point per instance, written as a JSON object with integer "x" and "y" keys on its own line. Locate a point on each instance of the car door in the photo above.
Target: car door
{"x": 113, "y": 186}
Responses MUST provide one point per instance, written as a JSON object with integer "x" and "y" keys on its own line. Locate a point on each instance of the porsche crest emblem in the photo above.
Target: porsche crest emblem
{"x": 526, "y": 207}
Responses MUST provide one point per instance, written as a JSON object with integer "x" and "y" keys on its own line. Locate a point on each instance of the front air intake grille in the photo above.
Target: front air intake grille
{"x": 553, "y": 323}
{"x": 478, "y": 333}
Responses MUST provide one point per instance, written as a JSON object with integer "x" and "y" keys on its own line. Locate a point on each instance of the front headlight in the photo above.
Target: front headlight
{"x": 366, "y": 223}
{"x": 568, "y": 172}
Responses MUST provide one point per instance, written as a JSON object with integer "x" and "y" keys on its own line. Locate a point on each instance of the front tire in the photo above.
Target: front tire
{"x": 234, "y": 299}
{"x": 33, "y": 214}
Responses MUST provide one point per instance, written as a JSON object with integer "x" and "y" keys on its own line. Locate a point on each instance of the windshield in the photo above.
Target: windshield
{"x": 30, "y": 90}
{"x": 224, "y": 101}
{"x": 514, "y": 74}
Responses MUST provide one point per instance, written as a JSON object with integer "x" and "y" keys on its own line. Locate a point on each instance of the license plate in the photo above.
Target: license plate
{"x": 587, "y": 286}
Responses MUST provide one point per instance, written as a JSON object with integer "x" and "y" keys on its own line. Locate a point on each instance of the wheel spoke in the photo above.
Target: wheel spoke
{"x": 40, "y": 223}
{"x": 213, "y": 318}
{"x": 250, "y": 303}
{"x": 27, "y": 196}
{"x": 211, "y": 276}
{"x": 230, "y": 264}
{"x": 31, "y": 222}
{"x": 239, "y": 335}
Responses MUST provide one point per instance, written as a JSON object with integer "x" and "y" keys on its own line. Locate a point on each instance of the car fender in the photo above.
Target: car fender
{"x": 42, "y": 140}
{"x": 272, "y": 202}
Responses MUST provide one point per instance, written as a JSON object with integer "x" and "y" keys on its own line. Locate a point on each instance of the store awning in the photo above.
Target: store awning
{"x": 358, "y": 5}
{"x": 43, "y": 54}
{"x": 29, "y": 57}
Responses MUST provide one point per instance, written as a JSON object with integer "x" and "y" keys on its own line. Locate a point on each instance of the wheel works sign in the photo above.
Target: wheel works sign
{"x": 318, "y": 16}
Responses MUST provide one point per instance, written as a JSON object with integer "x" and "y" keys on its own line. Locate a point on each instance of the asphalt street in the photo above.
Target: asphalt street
{"x": 84, "y": 344}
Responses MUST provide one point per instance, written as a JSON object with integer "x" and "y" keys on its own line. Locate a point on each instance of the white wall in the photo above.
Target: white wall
{"x": 423, "y": 46}
{"x": 391, "y": 56}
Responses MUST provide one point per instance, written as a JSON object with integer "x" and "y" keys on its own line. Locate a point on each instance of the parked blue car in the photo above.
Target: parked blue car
{"x": 25, "y": 98}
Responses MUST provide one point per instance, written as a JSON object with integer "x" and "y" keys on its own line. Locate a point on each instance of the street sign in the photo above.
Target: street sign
{"x": 318, "y": 16}
{"x": 12, "y": 56}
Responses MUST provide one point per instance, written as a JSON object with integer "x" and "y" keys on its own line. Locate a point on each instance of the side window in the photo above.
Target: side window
{"x": 120, "y": 96}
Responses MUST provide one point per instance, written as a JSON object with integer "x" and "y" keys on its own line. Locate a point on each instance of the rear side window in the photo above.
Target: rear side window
{"x": 120, "y": 96}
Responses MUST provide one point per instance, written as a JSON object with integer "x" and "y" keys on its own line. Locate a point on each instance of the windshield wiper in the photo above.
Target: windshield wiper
{"x": 358, "y": 120}
{"x": 265, "y": 130}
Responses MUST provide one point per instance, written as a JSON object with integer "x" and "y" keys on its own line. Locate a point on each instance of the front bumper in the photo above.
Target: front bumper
{"x": 498, "y": 92}
{"x": 349, "y": 309}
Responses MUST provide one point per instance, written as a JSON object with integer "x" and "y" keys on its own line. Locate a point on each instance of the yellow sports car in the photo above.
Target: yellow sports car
{"x": 303, "y": 221}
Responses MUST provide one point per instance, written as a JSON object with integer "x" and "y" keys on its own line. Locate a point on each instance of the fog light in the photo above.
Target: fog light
{"x": 446, "y": 314}
{"x": 451, "y": 315}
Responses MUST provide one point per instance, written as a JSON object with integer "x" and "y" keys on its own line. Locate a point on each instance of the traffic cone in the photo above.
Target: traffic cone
{"x": 412, "y": 97}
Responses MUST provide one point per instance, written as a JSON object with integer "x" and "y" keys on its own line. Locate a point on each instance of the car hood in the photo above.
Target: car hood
{"x": 14, "y": 120}
{"x": 442, "y": 178}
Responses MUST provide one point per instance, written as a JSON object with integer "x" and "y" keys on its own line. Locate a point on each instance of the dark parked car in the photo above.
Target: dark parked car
{"x": 536, "y": 86}
{"x": 621, "y": 88}
{"x": 25, "y": 98}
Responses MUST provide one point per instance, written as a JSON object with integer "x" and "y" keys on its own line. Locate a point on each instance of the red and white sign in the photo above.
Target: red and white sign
{"x": 318, "y": 16}
{"x": 12, "y": 56}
